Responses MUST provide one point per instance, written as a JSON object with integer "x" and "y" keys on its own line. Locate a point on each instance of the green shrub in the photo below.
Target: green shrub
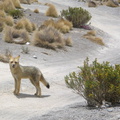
{"x": 78, "y": 16}
{"x": 96, "y": 82}
{"x": 15, "y": 13}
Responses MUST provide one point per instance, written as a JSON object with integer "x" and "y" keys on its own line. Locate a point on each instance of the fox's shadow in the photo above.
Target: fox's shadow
{"x": 23, "y": 95}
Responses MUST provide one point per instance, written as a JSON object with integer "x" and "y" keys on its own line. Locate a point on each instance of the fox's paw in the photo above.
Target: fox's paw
{"x": 37, "y": 95}
{"x": 15, "y": 92}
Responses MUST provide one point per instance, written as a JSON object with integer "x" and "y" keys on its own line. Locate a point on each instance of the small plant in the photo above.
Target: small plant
{"x": 52, "y": 11}
{"x": 16, "y": 3}
{"x": 36, "y": 11}
{"x": 12, "y": 35}
{"x": 25, "y": 23}
{"x": 25, "y": 50}
{"x": 48, "y": 37}
{"x": 78, "y": 16}
{"x": 96, "y": 82}
{"x": 15, "y": 13}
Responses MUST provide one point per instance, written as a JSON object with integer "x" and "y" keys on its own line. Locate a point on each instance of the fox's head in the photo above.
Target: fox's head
{"x": 14, "y": 61}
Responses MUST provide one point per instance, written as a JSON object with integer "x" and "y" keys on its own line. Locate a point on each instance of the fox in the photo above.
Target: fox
{"x": 26, "y": 72}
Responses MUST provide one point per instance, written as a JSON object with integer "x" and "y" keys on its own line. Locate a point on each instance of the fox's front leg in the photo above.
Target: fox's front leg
{"x": 17, "y": 86}
{"x": 15, "y": 91}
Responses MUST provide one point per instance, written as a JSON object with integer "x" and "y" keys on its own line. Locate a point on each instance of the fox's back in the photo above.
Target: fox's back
{"x": 29, "y": 71}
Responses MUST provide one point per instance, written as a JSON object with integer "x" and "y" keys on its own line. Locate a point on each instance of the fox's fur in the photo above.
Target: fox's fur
{"x": 34, "y": 74}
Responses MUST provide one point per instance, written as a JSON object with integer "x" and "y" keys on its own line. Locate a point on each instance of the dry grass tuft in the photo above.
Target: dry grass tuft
{"x": 25, "y": 23}
{"x": 1, "y": 26}
{"x": 16, "y": 3}
{"x": 36, "y": 11}
{"x": 91, "y": 35}
{"x": 52, "y": 11}
{"x": 4, "y": 58}
{"x": 48, "y": 37}
{"x": 8, "y": 5}
{"x": 69, "y": 42}
{"x": 2, "y": 13}
{"x": 66, "y": 22}
{"x": 91, "y": 32}
{"x": 63, "y": 25}
{"x": 112, "y": 3}
{"x": 12, "y": 35}
{"x": 25, "y": 1}
{"x": 9, "y": 20}
{"x": 1, "y": 5}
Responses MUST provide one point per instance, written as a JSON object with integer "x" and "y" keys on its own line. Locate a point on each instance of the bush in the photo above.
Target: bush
{"x": 52, "y": 11}
{"x": 16, "y": 3}
{"x": 51, "y": 38}
{"x": 8, "y": 5}
{"x": 78, "y": 16}
{"x": 96, "y": 82}
{"x": 15, "y": 13}
{"x": 63, "y": 25}
{"x": 12, "y": 35}
{"x": 25, "y": 23}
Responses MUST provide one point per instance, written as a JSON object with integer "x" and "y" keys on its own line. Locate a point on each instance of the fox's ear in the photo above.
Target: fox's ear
{"x": 18, "y": 57}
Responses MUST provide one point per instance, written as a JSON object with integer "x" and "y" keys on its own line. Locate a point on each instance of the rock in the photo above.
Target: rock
{"x": 34, "y": 56}
{"x": 27, "y": 43}
{"x": 110, "y": 109}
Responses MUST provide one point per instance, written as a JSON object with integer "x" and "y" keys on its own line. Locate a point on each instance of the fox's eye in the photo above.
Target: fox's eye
{"x": 15, "y": 62}
{"x": 11, "y": 61}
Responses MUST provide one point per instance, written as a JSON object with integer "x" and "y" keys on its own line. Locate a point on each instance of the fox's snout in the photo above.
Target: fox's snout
{"x": 13, "y": 65}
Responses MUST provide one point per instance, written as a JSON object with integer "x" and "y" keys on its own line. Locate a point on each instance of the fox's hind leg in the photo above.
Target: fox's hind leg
{"x": 37, "y": 86}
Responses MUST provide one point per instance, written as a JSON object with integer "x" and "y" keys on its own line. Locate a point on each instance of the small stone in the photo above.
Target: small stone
{"x": 27, "y": 43}
{"x": 110, "y": 109}
{"x": 34, "y": 56}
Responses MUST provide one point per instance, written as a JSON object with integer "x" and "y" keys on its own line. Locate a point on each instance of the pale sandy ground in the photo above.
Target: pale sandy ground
{"x": 55, "y": 66}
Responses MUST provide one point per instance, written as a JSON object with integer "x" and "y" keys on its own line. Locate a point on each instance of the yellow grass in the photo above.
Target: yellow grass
{"x": 8, "y": 34}
{"x": 52, "y": 11}
{"x": 95, "y": 39}
{"x": 16, "y": 3}
{"x": 91, "y": 32}
{"x": 112, "y": 3}
{"x": 69, "y": 41}
{"x": 25, "y": 1}
{"x": 9, "y": 20}
{"x": 36, "y": 11}
{"x": 66, "y": 22}
{"x": 12, "y": 35}
{"x": 4, "y": 58}
{"x": 48, "y": 37}
{"x": 63, "y": 25}
{"x": 8, "y": 5}
{"x": 24, "y": 23}
{"x": 1, "y": 5}
{"x": 2, "y": 13}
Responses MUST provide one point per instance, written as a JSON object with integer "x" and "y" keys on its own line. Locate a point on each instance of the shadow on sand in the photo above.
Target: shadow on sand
{"x": 23, "y": 95}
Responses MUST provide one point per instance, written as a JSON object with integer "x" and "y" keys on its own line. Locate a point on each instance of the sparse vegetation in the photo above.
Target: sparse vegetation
{"x": 63, "y": 25}
{"x": 36, "y": 11}
{"x": 25, "y": 23}
{"x": 12, "y": 35}
{"x": 49, "y": 37}
{"x": 15, "y": 13}
{"x": 52, "y": 11}
{"x": 91, "y": 35}
{"x": 78, "y": 16}
{"x": 8, "y": 5}
{"x": 96, "y": 82}
{"x": 16, "y": 3}
{"x": 25, "y": 50}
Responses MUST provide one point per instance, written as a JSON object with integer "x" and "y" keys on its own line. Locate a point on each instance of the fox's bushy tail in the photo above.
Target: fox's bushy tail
{"x": 42, "y": 79}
